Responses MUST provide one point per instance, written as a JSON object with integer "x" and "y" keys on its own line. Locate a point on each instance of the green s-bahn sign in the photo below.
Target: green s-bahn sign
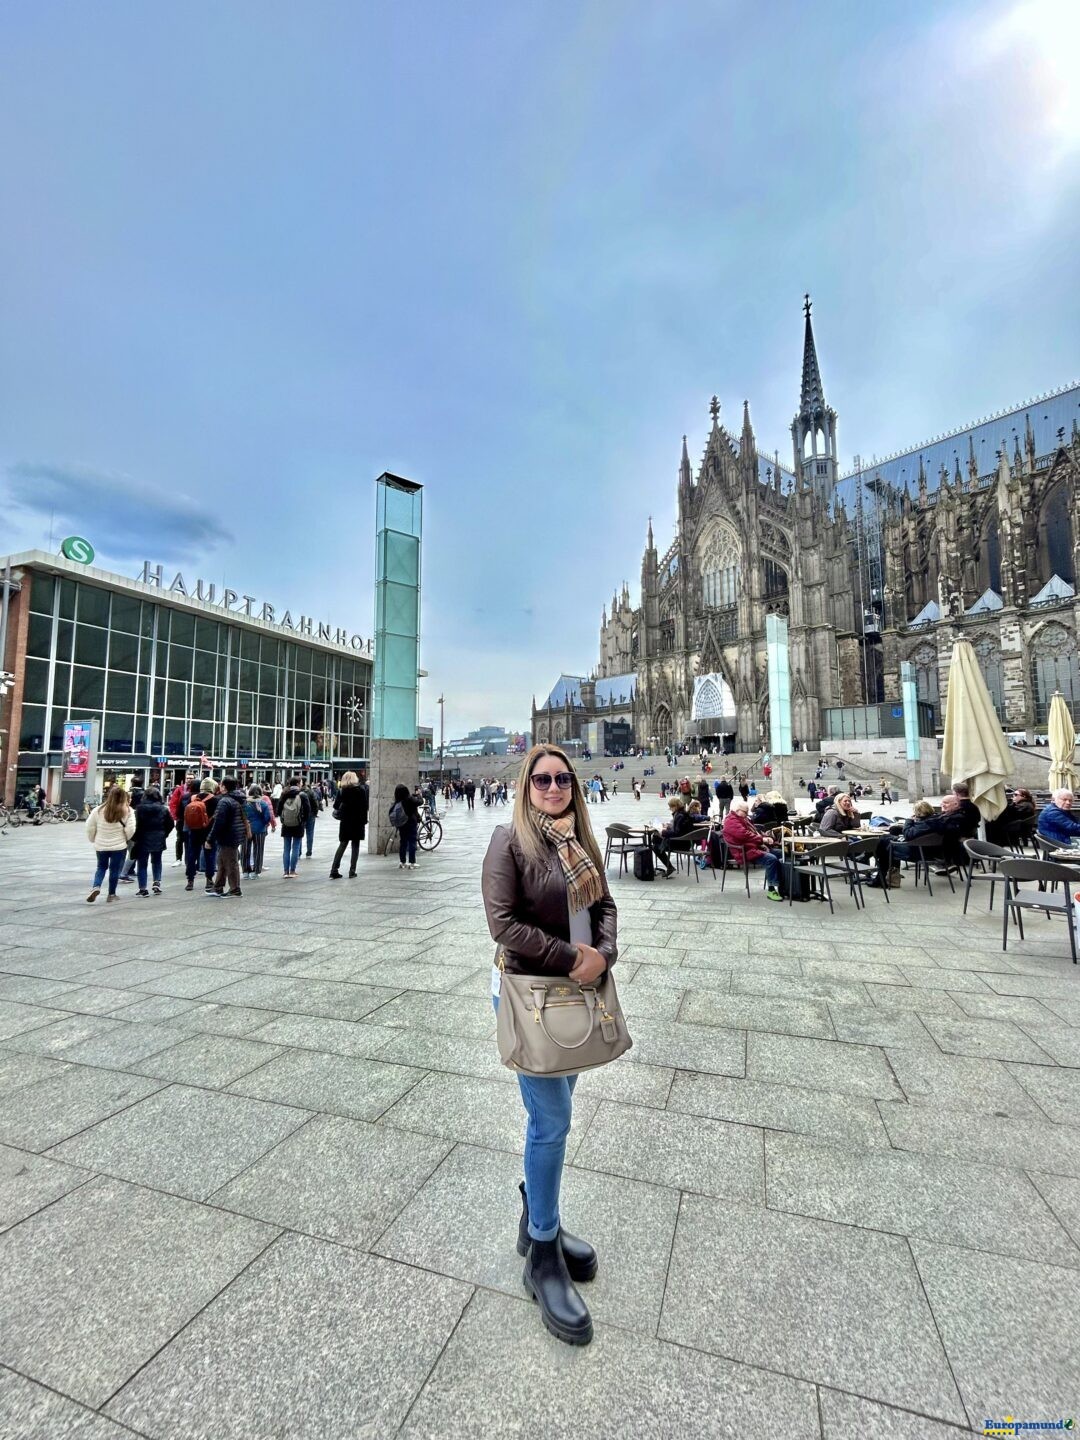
{"x": 77, "y": 549}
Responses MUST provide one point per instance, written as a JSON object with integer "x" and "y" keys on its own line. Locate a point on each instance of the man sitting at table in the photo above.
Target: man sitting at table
{"x": 1057, "y": 821}
{"x": 681, "y": 823}
{"x": 769, "y": 810}
{"x": 842, "y": 816}
{"x": 966, "y": 811}
{"x": 743, "y": 840}
{"x": 923, "y": 822}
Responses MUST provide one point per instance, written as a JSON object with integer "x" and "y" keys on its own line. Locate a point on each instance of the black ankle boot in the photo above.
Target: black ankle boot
{"x": 547, "y": 1280}
{"x": 579, "y": 1254}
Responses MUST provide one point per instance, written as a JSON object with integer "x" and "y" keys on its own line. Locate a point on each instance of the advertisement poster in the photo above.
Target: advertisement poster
{"x": 76, "y": 749}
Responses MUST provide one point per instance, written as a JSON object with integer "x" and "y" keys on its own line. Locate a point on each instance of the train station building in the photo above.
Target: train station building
{"x": 178, "y": 675}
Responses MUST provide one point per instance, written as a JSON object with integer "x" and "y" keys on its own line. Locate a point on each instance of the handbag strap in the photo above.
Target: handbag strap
{"x": 538, "y": 1014}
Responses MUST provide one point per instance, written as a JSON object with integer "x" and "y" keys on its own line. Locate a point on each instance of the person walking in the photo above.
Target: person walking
{"x": 208, "y": 790}
{"x": 153, "y": 825}
{"x": 725, "y": 794}
{"x": 109, "y": 828}
{"x": 886, "y": 789}
{"x": 228, "y": 832}
{"x": 352, "y": 815}
{"x": 260, "y": 818}
{"x": 196, "y": 828}
{"x": 178, "y": 798}
{"x": 294, "y": 813}
{"x": 314, "y": 806}
{"x": 407, "y": 832}
{"x": 550, "y": 912}
{"x": 470, "y": 794}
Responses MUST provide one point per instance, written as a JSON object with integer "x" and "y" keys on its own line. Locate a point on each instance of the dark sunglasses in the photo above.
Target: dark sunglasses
{"x": 543, "y": 782}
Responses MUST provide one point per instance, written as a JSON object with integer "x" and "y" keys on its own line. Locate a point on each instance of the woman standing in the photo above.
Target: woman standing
{"x": 260, "y": 818}
{"x": 295, "y": 808}
{"x": 352, "y": 813}
{"x": 153, "y": 824}
{"x": 108, "y": 829}
{"x": 549, "y": 910}
{"x": 407, "y": 832}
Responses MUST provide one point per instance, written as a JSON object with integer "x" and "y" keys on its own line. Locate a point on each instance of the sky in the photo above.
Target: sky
{"x": 253, "y": 254}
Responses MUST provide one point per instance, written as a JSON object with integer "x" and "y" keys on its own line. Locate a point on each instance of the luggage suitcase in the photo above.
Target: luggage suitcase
{"x": 794, "y": 883}
{"x": 644, "y": 864}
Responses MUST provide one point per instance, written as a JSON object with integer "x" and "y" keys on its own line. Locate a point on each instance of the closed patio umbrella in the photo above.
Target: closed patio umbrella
{"x": 975, "y": 748}
{"x": 1062, "y": 734}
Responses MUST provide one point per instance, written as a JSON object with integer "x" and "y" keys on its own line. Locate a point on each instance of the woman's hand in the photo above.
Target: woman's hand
{"x": 590, "y": 965}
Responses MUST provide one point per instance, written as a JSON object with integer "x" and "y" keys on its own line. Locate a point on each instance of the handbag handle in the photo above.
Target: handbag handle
{"x": 538, "y": 1011}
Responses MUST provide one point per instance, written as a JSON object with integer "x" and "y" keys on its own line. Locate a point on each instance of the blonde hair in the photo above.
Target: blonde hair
{"x": 922, "y": 810}
{"x": 524, "y": 824}
{"x": 349, "y": 778}
{"x": 675, "y": 802}
{"x": 774, "y": 797}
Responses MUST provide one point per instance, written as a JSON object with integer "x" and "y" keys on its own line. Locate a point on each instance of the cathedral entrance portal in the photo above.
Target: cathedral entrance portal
{"x": 713, "y": 713}
{"x": 661, "y": 728}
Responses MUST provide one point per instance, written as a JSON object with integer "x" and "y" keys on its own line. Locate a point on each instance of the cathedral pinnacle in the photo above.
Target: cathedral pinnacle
{"x": 685, "y": 476}
{"x": 651, "y": 546}
{"x": 714, "y": 411}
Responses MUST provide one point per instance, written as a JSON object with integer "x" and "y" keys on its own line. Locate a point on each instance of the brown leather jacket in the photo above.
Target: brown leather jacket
{"x": 527, "y": 911}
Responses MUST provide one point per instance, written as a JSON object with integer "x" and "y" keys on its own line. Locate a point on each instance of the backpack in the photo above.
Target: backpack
{"x": 292, "y": 812}
{"x": 644, "y": 864}
{"x": 398, "y": 817}
{"x": 195, "y": 816}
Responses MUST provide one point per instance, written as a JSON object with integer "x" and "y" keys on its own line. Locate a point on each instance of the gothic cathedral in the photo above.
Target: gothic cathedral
{"x": 977, "y": 531}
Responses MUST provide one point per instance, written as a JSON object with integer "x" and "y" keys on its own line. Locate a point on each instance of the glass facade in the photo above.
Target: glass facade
{"x": 165, "y": 682}
{"x": 873, "y": 722}
{"x": 399, "y": 523}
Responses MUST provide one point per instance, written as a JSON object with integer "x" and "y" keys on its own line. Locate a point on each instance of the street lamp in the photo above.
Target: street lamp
{"x": 442, "y": 717}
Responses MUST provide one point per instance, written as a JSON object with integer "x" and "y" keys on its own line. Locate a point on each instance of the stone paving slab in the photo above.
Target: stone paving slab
{"x": 1010, "y": 1329}
{"x": 29, "y": 1182}
{"x": 463, "y": 1222}
{"x": 141, "y": 1264}
{"x": 209, "y": 1060}
{"x": 821, "y": 1064}
{"x": 183, "y": 1141}
{"x": 336, "y": 1084}
{"x": 313, "y": 1341}
{"x": 985, "y": 1139}
{"x": 809, "y": 1299}
{"x": 928, "y": 1197}
{"x": 681, "y": 1150}
{"x": 29, "y": 1411}
{"x": 337, "y": 1179}
{"x": 957, "y": 1082}
{"x": 758, "y": 1012}
{"x": 42, "y": 1114}
{"x": 840, "y": 1118}
{"x": 620, "y": 1386}
{"x": 848, "y": 1417}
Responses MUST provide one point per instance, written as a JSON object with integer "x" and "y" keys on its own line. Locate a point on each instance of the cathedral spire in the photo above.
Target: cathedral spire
{"x": 747, "y": 429}
{"x": 812, "y": 399}
{"x": 650, "y": 546}
{"x": 813, "y": 431}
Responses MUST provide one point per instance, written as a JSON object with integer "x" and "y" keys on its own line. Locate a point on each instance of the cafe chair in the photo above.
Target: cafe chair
{"x": 620, "y": 842}
{"x": 986, "y": 857}
{"x": 1045, "y": 872}
{"x": 687, "y": 847}
{"x": 865, "y": 851}
{"x": 923, "y": 850}
{"x": 814, "y": 865}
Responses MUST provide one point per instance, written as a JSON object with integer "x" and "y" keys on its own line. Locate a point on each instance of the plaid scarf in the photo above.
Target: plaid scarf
{"x": 584, "y": 887}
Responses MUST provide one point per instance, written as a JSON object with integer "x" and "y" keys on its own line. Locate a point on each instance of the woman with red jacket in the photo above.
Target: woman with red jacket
{"x": 743, "y": 840}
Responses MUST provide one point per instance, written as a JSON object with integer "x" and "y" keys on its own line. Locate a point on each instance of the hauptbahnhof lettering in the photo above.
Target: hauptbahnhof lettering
{"x": 173, "y": 674}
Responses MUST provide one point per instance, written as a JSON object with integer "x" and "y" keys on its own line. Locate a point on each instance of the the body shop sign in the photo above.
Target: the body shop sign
{"x": 76, "y": 749}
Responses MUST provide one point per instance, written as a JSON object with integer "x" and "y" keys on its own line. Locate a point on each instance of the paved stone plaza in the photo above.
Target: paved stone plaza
{"x": 259, "y": 1163}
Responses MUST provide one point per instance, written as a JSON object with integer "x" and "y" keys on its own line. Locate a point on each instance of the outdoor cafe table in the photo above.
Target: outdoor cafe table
{"x": 1066, "y": 857}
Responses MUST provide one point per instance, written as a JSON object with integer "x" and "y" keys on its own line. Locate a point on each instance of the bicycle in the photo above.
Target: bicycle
{"x": 429, "y": 833}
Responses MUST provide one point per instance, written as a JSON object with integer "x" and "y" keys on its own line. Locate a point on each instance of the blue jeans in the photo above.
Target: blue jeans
{"x": 771, "y": 861}
{"x": 290, "y": 852}
{"x": 548, "y": 1103}
{"x": 407, "y": 843}
{"x": 155, "y": 863}
{"x": 111, "y": 861}
{"x": 310, "y": 832}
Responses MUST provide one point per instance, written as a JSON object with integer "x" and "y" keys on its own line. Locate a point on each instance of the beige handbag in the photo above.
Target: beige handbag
{"x": 555, "y": 1026}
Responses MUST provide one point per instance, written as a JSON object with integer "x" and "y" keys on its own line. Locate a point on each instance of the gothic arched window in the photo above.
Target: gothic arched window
{"x": 721, "y": 569}
{"x": 1055, "y": 666}
{"x": 1055, "y": 537}
{"x": 990, "y": 556}
{"x": 988, "y": 654}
